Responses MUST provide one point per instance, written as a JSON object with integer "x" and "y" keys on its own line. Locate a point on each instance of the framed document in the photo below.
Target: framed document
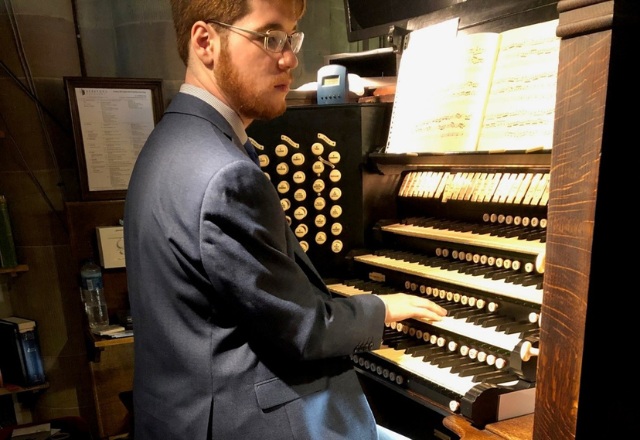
{"x": 111, "y": 119}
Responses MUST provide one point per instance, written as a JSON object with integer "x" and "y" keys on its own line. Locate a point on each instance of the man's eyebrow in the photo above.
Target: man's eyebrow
{"x": 275, "y": 27}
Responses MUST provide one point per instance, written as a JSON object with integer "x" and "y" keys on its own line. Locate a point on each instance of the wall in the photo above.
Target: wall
{"x": 40, "y": 43}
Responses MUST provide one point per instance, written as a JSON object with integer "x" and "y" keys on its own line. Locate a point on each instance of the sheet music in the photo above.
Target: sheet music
{"x": 484, "y": 91}
{"x": 521, "y": 107}
{"x": 442, "y": 88}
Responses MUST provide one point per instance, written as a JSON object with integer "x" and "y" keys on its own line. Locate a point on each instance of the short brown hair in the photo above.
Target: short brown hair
{"x": 186, "y": 12}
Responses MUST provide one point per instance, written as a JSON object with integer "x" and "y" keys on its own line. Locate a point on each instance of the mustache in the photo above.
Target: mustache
{"x": 286, "y": 79}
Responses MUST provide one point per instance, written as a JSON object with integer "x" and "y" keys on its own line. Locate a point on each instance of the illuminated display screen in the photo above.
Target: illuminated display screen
{"x": 331, "y": 80}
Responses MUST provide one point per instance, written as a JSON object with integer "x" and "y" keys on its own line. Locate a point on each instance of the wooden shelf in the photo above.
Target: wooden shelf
{"x": 97, "y": 344}
{"x": 9, "y": 389}
{"x": 14, "y": 271}
{"x": 101, "y": 342}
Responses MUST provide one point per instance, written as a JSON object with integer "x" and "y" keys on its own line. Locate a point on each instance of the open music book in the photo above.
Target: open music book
{"x": 484, "y": 91}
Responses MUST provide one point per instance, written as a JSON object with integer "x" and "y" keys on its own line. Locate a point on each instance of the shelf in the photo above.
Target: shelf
{"x": 390, "y": 163}
{"x": 97, "y": 344}
{"x": 100, "y": 342}
{"x": 14, "y": 271}
{"x": 10, "y": 389}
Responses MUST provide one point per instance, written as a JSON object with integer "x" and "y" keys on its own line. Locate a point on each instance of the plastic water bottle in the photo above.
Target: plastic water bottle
{"x": 92, "y": 294}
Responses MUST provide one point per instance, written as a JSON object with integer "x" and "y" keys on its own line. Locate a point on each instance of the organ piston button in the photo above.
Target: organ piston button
{"x": 336, "y": 228}
{"x": 264, "y": 160}
{"x": 301, "y": 230}
{"x": 320, "y": 221}
{"x": 319, "y": 203}
{"x": 335, "y": 175}
{"x": 299, "y": 177}
{"x": 318, "y": 186}
{"x": 334, "y": 157}
{"x": 321, "y": 238}
{"x": 281, "y": 150}
{"x": 318, "y": 167}
{"x": 283, "y": 187}
{"x": 300, "y": 213}
{"x": 335, "y": 194}
{"x": 300, "y": 195}
{"x": 286, "y": 204}
{"x": 297, "y": 159}
{"x": 336, "y": 211}
{"x": 317, "y": 148}
{"x": 454, "y": 406}
{"x": 304, "y": 245}
{"x": 282, "y": 169}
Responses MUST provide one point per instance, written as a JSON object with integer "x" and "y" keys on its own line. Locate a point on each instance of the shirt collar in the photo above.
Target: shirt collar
{"x": 232, "y": 117}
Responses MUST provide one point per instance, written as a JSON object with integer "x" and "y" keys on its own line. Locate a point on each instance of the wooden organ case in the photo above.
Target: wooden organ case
{"x": 546, "y": 379}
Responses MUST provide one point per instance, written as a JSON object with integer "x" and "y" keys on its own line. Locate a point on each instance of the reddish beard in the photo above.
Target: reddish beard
{"x": 241, "y": 92}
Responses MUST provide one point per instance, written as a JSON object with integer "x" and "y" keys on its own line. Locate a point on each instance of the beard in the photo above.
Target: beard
{"x": 242, "y": 92}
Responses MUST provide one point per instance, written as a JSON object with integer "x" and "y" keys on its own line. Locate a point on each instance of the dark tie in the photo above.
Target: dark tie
{"x": 251, "y": 151}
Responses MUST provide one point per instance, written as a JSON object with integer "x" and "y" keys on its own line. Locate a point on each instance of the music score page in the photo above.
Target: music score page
{"x": 483, "y": 91}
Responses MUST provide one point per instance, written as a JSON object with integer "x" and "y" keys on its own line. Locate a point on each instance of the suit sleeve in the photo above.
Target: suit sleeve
{"x": 250, "y": 262}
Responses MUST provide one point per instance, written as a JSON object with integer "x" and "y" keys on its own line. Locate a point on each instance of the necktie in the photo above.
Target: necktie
{"x": 251, "y": 151}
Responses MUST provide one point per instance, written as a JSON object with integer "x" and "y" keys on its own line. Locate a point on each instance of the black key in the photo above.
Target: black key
{"x": 477, "y": 369}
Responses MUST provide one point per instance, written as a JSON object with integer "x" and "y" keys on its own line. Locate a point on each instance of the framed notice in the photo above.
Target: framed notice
{"x": 111, "y": 119}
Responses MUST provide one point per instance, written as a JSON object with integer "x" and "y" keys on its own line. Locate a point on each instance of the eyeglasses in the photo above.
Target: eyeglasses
{"x": 273, "y": 40}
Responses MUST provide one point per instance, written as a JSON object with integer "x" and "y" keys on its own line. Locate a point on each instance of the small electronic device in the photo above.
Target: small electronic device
{"x": 333, "y": 84}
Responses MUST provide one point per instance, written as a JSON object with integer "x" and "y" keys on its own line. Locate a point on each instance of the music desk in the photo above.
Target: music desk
{"x": 518, "y": 428}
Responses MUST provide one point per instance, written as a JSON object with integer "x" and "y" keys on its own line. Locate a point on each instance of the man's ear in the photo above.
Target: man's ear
{"x": 205, "y": 41}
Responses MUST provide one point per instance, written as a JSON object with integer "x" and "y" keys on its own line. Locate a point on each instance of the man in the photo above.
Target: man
{"x": 236, "y": 336}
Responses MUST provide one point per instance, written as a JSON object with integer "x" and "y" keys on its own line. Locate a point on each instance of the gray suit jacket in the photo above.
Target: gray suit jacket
{"x": 236, "y": 335}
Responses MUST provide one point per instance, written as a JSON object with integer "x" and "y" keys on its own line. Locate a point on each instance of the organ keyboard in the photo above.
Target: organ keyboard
{"x": 471, "y": 237}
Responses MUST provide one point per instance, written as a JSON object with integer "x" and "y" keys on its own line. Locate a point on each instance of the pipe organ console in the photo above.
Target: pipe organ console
{"x": 514, "y": 245}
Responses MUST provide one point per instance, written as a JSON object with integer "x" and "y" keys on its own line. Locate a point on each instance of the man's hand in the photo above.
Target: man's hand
{"x": 404, "y": 306}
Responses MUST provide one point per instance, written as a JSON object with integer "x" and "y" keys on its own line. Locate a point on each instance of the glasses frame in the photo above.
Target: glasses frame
{"x": 265, "y": 36}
